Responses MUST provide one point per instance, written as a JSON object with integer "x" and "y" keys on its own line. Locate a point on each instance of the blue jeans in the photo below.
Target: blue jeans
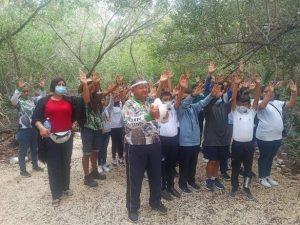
{"x": 267, "y": 151}
{"x": 102, "y": 155}
{"x": 27, "y": 138}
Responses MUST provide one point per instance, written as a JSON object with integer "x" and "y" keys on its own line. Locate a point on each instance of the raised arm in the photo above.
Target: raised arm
{"x": 183, "y": 85}
{"x": 257, "y": 80}
{"x": 162, "y": 83}
{"x": 294, "y": 92}
{"x": 85, "y": 89}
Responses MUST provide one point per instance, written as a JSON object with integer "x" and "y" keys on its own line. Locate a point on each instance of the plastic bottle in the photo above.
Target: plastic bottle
{"x": 47, "y": 124}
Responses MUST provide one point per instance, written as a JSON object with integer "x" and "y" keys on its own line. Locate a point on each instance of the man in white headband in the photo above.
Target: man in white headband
{"x": 143, "y": 150}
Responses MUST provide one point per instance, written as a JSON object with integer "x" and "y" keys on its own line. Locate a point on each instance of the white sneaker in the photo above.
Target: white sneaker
{"x": 264, "y": 182}
{"x": 100, "y": 169}
{"x": 115, "y": 162}
{"x": 105, "y": 168}
{"x": 271, "y": 181}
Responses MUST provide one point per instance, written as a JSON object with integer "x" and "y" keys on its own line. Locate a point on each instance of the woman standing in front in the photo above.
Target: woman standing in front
{"x": 53, "y": 117}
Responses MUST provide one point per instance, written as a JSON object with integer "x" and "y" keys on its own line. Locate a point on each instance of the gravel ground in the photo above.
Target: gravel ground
{"x": 27, "y": 201}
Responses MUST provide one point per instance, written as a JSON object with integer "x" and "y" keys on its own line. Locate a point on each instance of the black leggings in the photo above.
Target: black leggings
{"x": 117, "y": 142}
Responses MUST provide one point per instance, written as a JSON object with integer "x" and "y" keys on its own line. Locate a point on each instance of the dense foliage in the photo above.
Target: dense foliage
{"x": 48, "y": 38}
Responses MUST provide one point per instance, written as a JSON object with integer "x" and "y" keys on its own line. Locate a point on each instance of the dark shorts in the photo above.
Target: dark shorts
{"x": 91, "y": 140}
{"x": 215, "y": 152}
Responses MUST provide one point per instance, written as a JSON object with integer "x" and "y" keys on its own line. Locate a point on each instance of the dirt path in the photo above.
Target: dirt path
{"x": 27, "y": 201}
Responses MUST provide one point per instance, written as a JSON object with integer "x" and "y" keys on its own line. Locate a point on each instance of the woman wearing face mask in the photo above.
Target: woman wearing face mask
{"x": 269, "y": 130}
{"x": 53, "y": 117}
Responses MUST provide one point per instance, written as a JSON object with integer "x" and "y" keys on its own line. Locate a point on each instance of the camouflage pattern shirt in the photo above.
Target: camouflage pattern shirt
{"x": 139, "y": 127}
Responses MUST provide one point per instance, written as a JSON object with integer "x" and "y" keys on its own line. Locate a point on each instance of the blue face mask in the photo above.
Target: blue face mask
{"x": 60, "y": 90}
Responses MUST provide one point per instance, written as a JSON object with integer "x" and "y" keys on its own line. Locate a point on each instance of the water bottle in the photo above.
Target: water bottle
{"x": 47, "y": 124}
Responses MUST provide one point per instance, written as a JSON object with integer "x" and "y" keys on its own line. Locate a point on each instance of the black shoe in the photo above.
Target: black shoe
{"x": 194, "y": 186}
{"x": 209, "y": 184}
{"x": 185, "y": 190}
{"x": 248, "y": 194}
{"x": 88, "y": 180}
{"x": 218, "y": 184}
{"x": 98, "y": 176}
{"x": 225, "y": 176}
{"x": 133, "y": 216}
{"x": 160, "y": 208}
{"x": 166, "y": 195}
{"x": 38, "y": 169}
{"x": 233, "y": 192}
{"x": 174, "y": 192}
{"x": 25, "y": 174}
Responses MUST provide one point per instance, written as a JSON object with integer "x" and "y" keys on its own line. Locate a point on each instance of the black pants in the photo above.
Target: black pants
{"x": 242, "y": 152}
{"x": 58, "y": 163}
{"x": 188, "y": 158}
{"x": 224, "y": 160}
{"x": 117, "y": 142}
{"x": 169, "y": 149}
{"x": 141, "y": 158}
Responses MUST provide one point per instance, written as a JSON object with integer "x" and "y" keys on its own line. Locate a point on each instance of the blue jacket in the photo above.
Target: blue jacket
{"x": 188, "y": 120}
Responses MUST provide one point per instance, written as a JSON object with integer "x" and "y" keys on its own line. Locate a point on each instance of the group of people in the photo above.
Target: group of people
{"x": 158, "y": 127}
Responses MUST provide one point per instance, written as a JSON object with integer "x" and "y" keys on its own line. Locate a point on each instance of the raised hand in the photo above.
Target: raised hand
{"x": 164, "y": 77}
{"x": 119, "y": 80}
{"x": 237, "y": 79}
{"x": 257, "y": 78}
{"x": 293, "y": 86}
{"x": 211, "y": 68}
{"x": 184, "y": 81}
{"x": 82, "y": 77}
{"x": 241, "y": 66}
{"x": 198, "y": 90}
{"x": 41, "y": 83}
{"x": 216, "y": 91}
{"x": 21, "y": 83}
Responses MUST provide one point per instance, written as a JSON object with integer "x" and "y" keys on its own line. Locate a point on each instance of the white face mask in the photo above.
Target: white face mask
{"x": 242, "y": 109}
{"x": 168, "y": 103}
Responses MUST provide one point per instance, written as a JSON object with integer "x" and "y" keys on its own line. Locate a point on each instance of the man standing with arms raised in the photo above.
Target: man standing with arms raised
{"x": 143, "y": 150}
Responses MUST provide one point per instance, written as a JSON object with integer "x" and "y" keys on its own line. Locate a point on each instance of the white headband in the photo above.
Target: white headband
{"x": 138, "y": 83}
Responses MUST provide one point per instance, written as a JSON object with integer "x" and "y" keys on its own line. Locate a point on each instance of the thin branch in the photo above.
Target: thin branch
{"x": 26, "y": 21}
{"x": 131, "y": 55}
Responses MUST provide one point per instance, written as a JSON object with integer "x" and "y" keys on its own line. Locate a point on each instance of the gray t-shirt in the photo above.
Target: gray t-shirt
{"x": 217, "y": 131}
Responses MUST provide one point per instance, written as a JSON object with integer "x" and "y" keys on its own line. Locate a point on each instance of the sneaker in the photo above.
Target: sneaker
{"x": 209, "y": 184}
{"x": 114, "y": 162}
{"x": 100, "y": 169}
{"x": 38, "y": 169}
{"x": 133, "y": 216}
{"x": 68, "y": 193}
{"x": 56, "y": 202}
{"x": 166, "y": 195}
{"x": 271, "y": 181}
{"x": 160, "y": 208}
{"x": 121, "y": 161}
{"x": 185, "y": 191}
{"x": 105, "y": 168}
{"x": 218, "y": 184}
{"x": 233, "y": 192}
{"x": 25, "y": 174}
{"x": 88, "y": 180}
{"x": 264, "y": 182}
{"x": 194, "y": 186}
{"x": 225, "y": 176}
{"x": 174, "y": 192}
{"x": 98, "y": 176}
{"x": 248, "y": 194}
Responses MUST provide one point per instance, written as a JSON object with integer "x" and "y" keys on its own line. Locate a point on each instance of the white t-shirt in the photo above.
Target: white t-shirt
{"x": 243, "y": 125}
{"x": 169, "y": 129}
{"x": 270, "y": 124}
